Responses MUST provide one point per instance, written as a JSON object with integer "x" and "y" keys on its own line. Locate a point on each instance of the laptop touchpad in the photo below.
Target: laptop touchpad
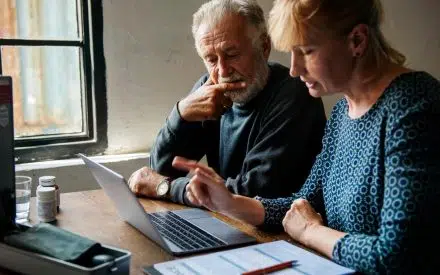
{"x": 213, "y": 225}
{"x": 193, "y": 213}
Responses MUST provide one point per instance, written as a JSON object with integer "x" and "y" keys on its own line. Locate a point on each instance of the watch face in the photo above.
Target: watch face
{"x": 162, "y": 188}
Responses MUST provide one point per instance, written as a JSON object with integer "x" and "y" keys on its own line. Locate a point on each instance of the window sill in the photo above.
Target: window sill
{"x": 77, "y": 161}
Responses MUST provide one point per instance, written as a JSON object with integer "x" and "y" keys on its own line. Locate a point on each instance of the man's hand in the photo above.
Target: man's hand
{"x": 300, "y": 219}
{"x": 144, "y": 181}
{"x": 208, "y": 102}
{"x": 206, "y": 188}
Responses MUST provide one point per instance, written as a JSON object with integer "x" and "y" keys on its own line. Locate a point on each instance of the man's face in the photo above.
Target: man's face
{"x": 229, "y": 56}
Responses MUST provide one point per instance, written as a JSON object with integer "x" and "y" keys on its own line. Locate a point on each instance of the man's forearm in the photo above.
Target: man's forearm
{"x": 165, "y": 145}
{"x": 177, "y": 191}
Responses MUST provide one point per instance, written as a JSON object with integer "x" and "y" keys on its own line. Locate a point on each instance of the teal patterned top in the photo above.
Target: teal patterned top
{"x": 377, "y": 178}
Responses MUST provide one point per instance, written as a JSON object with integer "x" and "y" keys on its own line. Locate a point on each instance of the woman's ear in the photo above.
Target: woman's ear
{"x": 358, "y": 40}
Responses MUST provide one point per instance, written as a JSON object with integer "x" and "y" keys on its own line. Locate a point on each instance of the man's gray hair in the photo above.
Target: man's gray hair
{"x": 212, "y": 13}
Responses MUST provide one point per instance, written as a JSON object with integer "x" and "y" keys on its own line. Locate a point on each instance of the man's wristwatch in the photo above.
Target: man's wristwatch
{"x": 163, "y": 188}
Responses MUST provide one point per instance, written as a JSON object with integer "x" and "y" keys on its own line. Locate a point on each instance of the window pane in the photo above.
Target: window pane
{"x": 48, "y": 97}
{"x": 39, "y": 19}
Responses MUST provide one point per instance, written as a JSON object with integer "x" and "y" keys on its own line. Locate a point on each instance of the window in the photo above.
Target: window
{"x": 53, "y": 50}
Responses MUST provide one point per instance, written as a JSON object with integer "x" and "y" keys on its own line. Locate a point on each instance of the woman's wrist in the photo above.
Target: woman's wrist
{"x": 231, "y": 206}
{"x": 321, "y": 238}
{"x": 247, "y": 209}
{"x": 310, "y": 233}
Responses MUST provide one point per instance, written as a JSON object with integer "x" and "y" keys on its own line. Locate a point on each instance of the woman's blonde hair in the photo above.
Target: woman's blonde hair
{"x": 292, "y": 22}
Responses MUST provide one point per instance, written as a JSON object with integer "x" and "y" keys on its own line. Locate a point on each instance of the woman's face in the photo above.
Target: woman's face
{"x": 325, "y": 64}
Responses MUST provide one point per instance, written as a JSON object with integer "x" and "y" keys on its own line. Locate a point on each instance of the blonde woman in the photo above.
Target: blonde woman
{"x": 372, "y": 199}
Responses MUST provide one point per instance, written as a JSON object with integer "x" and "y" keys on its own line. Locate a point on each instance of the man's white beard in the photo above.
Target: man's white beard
{"x": 243, "y": 96}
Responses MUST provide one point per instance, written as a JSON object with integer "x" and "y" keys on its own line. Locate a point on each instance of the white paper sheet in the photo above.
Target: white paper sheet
{"x": 239, "y": 260}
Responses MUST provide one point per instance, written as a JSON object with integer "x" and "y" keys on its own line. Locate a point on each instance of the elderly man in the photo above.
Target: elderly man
{"x": 258, "y": 127}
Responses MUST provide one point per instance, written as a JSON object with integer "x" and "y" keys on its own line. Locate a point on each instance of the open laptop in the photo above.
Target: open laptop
{"x": 180, "y": 232}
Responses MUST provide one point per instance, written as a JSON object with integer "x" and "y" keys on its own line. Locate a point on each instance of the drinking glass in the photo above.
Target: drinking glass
{"x": 22, "y": 198}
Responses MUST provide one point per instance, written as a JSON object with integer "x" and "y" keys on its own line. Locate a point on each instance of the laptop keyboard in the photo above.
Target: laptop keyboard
{"x": 182, "y": 233}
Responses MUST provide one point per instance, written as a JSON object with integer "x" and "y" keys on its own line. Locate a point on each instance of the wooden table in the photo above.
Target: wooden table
{"x": 93, "y": 215}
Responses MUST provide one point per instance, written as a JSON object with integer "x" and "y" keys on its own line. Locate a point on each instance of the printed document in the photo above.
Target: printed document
{"x": 239, "y": 260}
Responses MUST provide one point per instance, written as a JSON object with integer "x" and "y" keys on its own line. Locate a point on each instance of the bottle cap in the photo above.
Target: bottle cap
{"x": 46, "y": 193}
{"x": 47, "y": 180}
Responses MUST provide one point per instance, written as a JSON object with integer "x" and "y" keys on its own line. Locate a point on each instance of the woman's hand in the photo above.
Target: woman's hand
{"x": 206, "y": 188}
{"x": 300, "y": 219}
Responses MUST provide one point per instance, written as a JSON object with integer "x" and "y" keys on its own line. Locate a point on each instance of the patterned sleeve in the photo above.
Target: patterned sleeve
{"x": 275, "y": 209}
{"x": 411, "y": 192}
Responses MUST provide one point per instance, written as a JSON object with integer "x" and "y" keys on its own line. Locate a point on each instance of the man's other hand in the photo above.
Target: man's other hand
{"x": 144, "y": 181}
